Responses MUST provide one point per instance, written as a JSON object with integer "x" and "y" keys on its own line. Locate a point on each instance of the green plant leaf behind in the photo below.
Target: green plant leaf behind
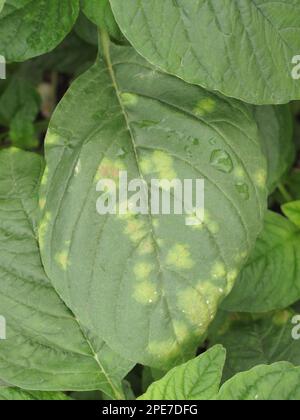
{"x": 45, "y": 347}
{"x": 31, "y": 28}
{"x": 278, "y": 382}
{"x": 271, "y": 277}
{"x": 16, "y": 394}
{"x": 150, "y": 285}
{"x": 276, "y": 127}
{"x": 292, "y": 212}
{"x": 198, "y": 379}
{"x": 99, "y": 12}
{"x": 251, "y": 341}
{"x": 219, "y": 44}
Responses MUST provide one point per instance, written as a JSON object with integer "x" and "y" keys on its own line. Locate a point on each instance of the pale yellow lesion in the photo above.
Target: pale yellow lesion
{"x": 239, "y": 172}
{"x": 165, "y": 349}
{"x": 43, "y": 229}
{"x": 143, "y": 270}
{"x": 231, "y": 279}
{"x": 129, "y": 99}
{"x": 42, "y": 203}
{"x": 218, "y": 271}
{"x": 180, "y": 257}
{"x": 146, "y": 247}
{"x": 145, "y": 292}
{"x": 52, "y": 139}
{"x": 281, "y": 318}
{"x": 192, "y": 305}
{"x": 62, "y": 259}
{"x": 260, "y": 178}
{"x": 205, "y": 106}
{"x": 45, "y": 176}
{"x": 182, "y": 331}
{"x": 109, "y": 169}
{"x": 135, "y": 229}
{"x": 160, "y": 163}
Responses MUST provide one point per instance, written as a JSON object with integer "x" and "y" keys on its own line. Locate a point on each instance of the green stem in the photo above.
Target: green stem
{"x": 285, "y": 194}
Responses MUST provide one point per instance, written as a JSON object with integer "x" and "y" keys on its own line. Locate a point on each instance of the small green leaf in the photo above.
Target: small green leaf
{"x": 292, "y": 212}
{"x": 271, "y": 277}
{"x": 153, "y": 296}
{"x": 45, "y": 348}
{"x": 264, "y": 383}
{"x": 30, "y": 28}
{"x": 16, "y": 394}
{"x": 249, "y": 341}
{"x": 198, "y": 379}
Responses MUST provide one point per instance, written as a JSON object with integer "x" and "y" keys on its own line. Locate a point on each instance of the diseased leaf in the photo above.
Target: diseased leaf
{"x": 45, "y": 348}
{"x": 249, "y": 341}
{"x": 264, "y": 383}
{"x": 198, "y": 379}
{"x": 292, "y": 212}
{"x": 15, "y": 394}
{"x": 30, "y": 28}
{"x": 99, "y": 12}
{"x": 276, "y": 127}
{"x": 267, "y": 282}
{"x": 220, "y": 44}
{"x": 154, "y": 294}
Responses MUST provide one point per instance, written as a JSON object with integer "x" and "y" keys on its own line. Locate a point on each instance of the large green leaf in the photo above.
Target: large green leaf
{"x": 249, "y": 341}
{"x": 150, "y": 285}
{"x": 271, "y": 278}
{"x": 264, "y": 383}
{"x": 29, "y": 28}
{"x": 219, "y": 44}
{"x": 276, "y": 128}
{"x": 198, "y": 379}
{"x": 15, "y": 394}
{"x": 46, "y": 348}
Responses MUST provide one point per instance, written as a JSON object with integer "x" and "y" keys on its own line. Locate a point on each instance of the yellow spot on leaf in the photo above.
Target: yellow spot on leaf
{"x": 282, "y": 318}
{"x": 62, "y": 260}
{"x": 194, "y": 308}
{"x": 219, "y": 271}
{"x": 145, "y": 293}
{"x": 260, "y": 178}
{"x": 43, "y": 228}
{"x": 159, "y": 163}
{"x": 205, "y": 106}
{"x": 45, "y": 176}
{"x": 129, "y": 99}
{"x": 143, "y": 270}
{"x": 42, "y": 203}
{"x": 135, "y": 229}
{"x": 146, "y": 247}
{"x": 164, "y": 350}
{"x": 179, "y": 256}
{"x": 52, "y": 139}
{"x": 109, "y": 169}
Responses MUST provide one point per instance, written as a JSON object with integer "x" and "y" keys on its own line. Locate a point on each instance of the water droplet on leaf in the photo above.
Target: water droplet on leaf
{"x": 221, "y": 161}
